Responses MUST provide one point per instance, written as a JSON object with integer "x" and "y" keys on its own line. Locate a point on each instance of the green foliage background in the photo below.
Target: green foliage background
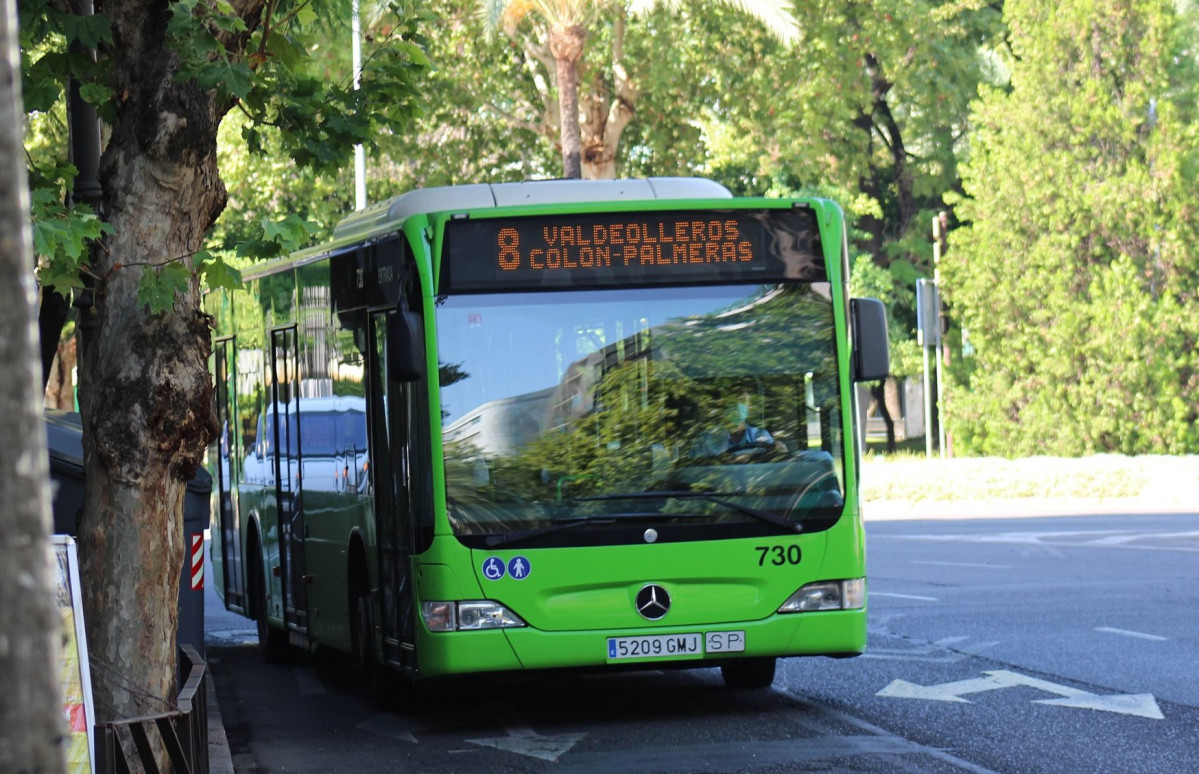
{"x": 1076, "y": 277}
{"x": 1060, "y": 138}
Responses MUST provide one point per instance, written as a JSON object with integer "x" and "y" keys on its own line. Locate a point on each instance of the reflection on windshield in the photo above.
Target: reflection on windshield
{"x": 632, "y": 402}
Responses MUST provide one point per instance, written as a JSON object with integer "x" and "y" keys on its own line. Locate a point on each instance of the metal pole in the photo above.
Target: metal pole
{"x": 359, "y": 151}
{"x": 928, "y": 408}
{"x": 938, "y": 240}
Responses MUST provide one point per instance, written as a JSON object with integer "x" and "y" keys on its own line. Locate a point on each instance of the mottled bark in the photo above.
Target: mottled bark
{"x": 60, "y": 382}
{"x": 145, "y": 393}
{"x": 566, "y": 46}
{"x": 609, "y": 111}
{"x": 31, "y": 724}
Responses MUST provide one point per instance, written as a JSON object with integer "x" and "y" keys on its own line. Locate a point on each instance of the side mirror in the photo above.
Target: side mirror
{"x": 871, "y": 348}
{"x": 405, "y": 347}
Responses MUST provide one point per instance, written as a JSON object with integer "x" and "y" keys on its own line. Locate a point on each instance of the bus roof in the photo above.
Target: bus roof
{"x": 392, "y": 212}
{"x": 389, "y": 215}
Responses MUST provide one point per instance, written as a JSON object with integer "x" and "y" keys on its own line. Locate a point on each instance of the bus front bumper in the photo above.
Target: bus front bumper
{"x": 827, "y": 633}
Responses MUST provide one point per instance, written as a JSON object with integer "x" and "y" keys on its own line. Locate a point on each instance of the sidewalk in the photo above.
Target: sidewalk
{"x": 220, "y": 758}
{"x": 1025, "y": 507}
{"x": 220, "y": 628}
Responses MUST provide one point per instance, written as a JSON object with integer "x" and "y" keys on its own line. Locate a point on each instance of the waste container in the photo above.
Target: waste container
{"x": 64, "y": 437}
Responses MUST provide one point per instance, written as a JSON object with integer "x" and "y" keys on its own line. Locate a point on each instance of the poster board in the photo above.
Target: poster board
{"x": 74, "y": 672}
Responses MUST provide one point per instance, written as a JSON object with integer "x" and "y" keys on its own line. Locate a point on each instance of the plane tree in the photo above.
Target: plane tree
{"x": 31, "y": 723}
{"x": 163, "y": 77}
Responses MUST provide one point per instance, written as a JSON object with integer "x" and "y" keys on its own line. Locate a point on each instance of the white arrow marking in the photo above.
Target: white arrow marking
{"x": 525, "y": 741}
{"x": 388, "y": 724}
{"x": 1139, "y": 704}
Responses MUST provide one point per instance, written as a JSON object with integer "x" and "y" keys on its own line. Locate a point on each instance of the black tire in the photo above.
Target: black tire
{"x": 272, "y": 643}
{"x": 391, "y": 690}
{"x": 748, "y": 673}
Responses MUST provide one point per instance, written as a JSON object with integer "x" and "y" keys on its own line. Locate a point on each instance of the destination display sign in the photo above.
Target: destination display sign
{"x": 620, "y": 249}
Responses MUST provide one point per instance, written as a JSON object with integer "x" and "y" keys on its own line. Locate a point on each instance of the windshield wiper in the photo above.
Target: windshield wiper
{"x": 711, "y": 497}
{"x": 507, "y": 538}
{"x": 495, "y": 541}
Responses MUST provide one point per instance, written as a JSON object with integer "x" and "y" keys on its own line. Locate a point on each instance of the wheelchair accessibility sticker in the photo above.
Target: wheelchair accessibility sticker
{"x": 494, "y": 568}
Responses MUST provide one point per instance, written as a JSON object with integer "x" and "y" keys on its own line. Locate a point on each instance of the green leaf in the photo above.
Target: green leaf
{"x": 216, "y": 273}
{"x": 91, "y": 30}
{"x": 285, "y": 51}
{"x": 238, "y": 80}
{"x": 94, "y": 93}
{"x": 159, "y": 287}
{"x": 41, "y": 94}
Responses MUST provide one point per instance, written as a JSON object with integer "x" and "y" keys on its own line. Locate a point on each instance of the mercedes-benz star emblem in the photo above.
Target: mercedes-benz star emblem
{"x": 653, "y": 602}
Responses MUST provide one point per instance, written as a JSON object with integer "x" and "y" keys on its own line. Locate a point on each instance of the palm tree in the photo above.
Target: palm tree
{"x": 563, "y": 27}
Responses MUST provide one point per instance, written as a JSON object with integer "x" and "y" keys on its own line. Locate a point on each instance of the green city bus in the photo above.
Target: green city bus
{"x": 558, "y": 424}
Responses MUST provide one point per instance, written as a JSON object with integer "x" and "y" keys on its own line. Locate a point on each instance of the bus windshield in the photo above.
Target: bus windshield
{"x": 669, "y": 408}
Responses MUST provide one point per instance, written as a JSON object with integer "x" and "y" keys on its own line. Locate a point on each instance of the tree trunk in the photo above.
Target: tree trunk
{"x": 60, "y": 385}
{"x": 145, "y": 394}
{"x": 566, "y": 46}
{"x": 31, "y": 722}
{"x": 608, "y": 113}
{"x": 891, "y": 389}
{"x": 878, "y": 400}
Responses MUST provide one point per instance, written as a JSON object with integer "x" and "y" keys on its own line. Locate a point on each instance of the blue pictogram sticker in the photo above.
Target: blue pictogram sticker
{"x": 493, "y": 568}
{"x": 518, "y": 567}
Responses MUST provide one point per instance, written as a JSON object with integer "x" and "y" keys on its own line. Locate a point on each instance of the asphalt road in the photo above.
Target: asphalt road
{"x": 1010, "y": 645}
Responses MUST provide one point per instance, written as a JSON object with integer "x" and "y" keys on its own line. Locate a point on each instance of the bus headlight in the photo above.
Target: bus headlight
{"x": 471, "y": 615}
{"x": 827, "y": 595}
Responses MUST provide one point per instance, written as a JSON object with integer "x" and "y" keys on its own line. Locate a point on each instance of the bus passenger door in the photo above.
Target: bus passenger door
{"x": 285, "y": 409}
{"x": 388, "y": 417}
{"x": 227, "y": 535}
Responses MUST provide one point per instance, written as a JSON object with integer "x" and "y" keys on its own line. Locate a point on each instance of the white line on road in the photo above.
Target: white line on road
{"x": 966, "y": 564}
{"x": 1127, "y": 633}
{"x": 870, "y": 728}
{"x": 903, "y": 596}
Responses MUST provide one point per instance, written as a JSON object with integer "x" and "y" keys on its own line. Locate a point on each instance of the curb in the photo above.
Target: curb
{"x": 220, "y": 757}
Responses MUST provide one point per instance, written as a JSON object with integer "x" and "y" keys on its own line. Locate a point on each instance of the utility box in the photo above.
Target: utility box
{"x": 64, "y": 437}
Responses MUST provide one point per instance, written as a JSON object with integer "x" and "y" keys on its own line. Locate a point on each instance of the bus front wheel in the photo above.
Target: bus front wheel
{"x": 380, "y": 680}
{"x": 749, "y": 673}
{"x": 272, "y": 643}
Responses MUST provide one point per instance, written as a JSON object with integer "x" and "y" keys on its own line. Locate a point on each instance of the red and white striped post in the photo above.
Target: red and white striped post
{"x": 197, "y": 561}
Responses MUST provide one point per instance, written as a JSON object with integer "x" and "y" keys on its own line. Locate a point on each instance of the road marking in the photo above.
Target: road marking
{"x": 868, "y": 727}
{"x": 390, "y": 725}
{"x": 1119, "y": 540}
{"x": 1139, "y": 704}
{"x": 973, "y": 649}
{"x": 523, "y": 740}
{"x": 1127, "y": 633}
{"x": 926, "y": 655}
{"x": 1045, "y": 541}
{"x": 966, "y": 564}
{"x": 902, "y": 596}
